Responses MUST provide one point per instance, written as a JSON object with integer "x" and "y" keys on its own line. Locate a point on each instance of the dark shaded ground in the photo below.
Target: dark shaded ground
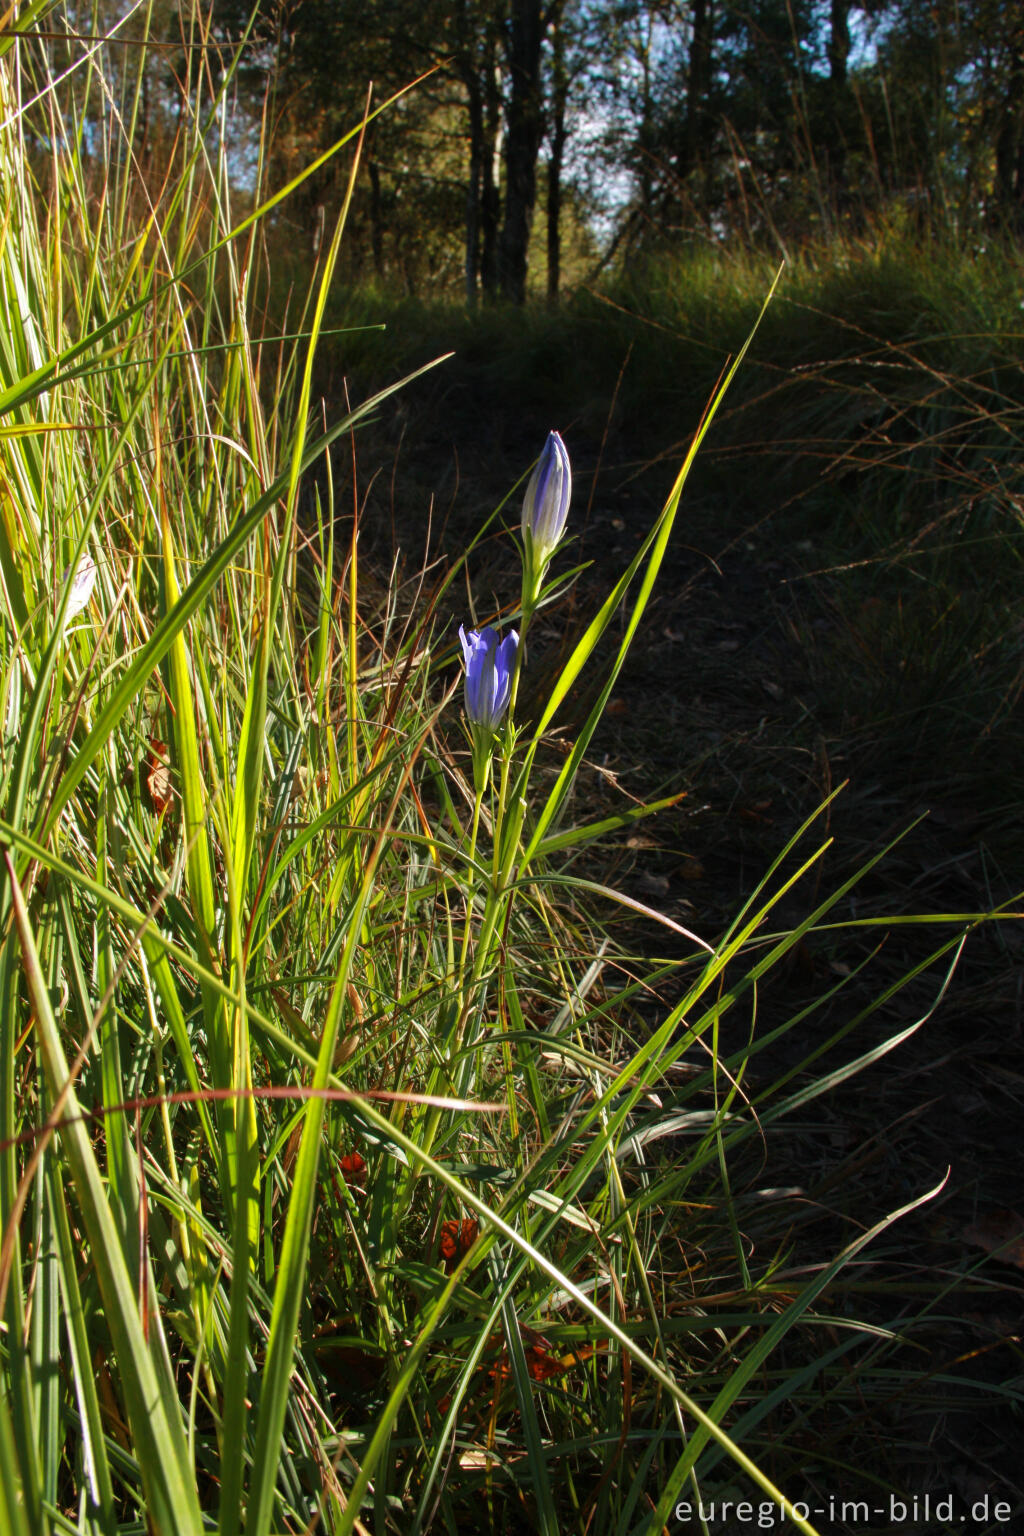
{"x": 759, "y": 687}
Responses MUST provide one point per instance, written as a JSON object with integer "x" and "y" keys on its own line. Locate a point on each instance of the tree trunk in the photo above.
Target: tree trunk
{"x": 490, "y": 191}
{"x": 839, "y": 43}
{"x": 524, "y": 129}
{"x": 838, "y": 56}
{"x": 1009, "y": 177}
{"x": 474, "y": 187}
{"x": 560, "y": 90}
{"x": 376, "y": 218}
{"x": 698, "y": 87}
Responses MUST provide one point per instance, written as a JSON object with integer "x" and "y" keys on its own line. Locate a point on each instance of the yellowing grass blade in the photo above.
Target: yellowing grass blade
{"x": 144, "y": 1368}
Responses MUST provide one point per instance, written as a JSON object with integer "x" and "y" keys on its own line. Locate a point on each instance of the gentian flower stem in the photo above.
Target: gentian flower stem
{"x": 472, "y": 971}
{"x": 493, "y": 669}
{"x": 499, "y": 819}
{"x": 470, "y": 884}
{"x": 524, "y": 624}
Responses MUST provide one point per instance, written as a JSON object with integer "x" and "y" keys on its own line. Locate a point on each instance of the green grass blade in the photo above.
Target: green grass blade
{"x": 540, "y": 1481}
{"x": 295, "y": 1246}
{"x": 13, "y": 1514}
{"x": 144, "y": 1368}
{"x": 652, "y": 549}
{"x": 95, "y": 1465}
{"x": 172, "y": 623}
{"x": 742, "y": 1372}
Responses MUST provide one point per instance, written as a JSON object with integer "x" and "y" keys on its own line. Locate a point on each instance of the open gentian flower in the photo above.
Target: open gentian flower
{"x": 546, "y": 503}
{"x": 490, "y": 663}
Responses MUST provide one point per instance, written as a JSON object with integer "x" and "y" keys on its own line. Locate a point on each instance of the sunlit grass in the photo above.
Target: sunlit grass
{"x": 346, "y": 1175}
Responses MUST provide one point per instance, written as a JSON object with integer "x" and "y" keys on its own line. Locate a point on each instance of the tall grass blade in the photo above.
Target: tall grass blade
{"x": 144, "y": 1367}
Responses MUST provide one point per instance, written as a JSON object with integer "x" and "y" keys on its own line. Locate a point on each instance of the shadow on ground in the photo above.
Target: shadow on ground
{"x": 766, "y": 674}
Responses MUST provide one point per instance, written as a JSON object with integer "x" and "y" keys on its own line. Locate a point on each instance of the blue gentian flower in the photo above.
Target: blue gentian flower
{"x": 546, "y": 503}
{"x": 490, "y": 663}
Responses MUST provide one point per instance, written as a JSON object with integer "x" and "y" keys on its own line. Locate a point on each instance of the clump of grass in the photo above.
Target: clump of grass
{"x": 345, "y": 1175}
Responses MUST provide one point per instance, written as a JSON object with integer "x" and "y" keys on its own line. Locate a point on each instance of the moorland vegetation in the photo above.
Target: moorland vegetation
{"x": 512, "y": 1085}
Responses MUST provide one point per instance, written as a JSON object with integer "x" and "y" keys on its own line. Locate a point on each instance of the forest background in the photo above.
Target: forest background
{"x": 585, "y": 204}
{"x": 549, "y": 143}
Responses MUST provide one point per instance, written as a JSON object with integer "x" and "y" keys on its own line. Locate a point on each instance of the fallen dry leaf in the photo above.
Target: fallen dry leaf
{"x": 999, "y": 1232}
{"x": 158, "y": 775}
{"x": 479, "y": 1461}
{"x": 650, "y": 884}
{"x": 457, "y": 1238}
{"x": 758, "y": 811}
{"x": 353, "y": 1168}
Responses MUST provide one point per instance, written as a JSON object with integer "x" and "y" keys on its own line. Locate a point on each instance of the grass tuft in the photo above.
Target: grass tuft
{"x": 354, "y": 1168}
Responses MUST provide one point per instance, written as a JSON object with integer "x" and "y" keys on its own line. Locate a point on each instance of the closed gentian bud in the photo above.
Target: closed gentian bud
{"x": 490, "y": 663}
{"x": 546, "y": 503}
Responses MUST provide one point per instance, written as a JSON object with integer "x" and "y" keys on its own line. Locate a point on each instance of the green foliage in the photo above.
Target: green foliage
{"x": 609, "y": 131}
{"x": 344, "y": 1173}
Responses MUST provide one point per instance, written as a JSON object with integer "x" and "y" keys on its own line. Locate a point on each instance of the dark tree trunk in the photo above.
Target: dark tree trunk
{"x": 490, "y": 191}
{"x": 838, "y": 57}
{"x": 698, "y": 89}
{"x": 524, "y": 129}
{"x": 490, "y": 218}
{"x": 376, "y": 218}
{"x": 560, "y": 90}
{"x": 1009, "y": 177}
{"x": 644, "y": 143}
{"x": 474, "y": 187}
{"x": 476, "y": 67}
{"x": 839, "y": 42}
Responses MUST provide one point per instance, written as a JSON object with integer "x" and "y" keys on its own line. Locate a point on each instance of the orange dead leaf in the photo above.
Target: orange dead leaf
{"x": 353, "y": 1168}
{"x": 540, "y": 1364}
{"x": 757, "y": 812}
{"x": 457, "y": 1238}
{"x": 158, "y": 775}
